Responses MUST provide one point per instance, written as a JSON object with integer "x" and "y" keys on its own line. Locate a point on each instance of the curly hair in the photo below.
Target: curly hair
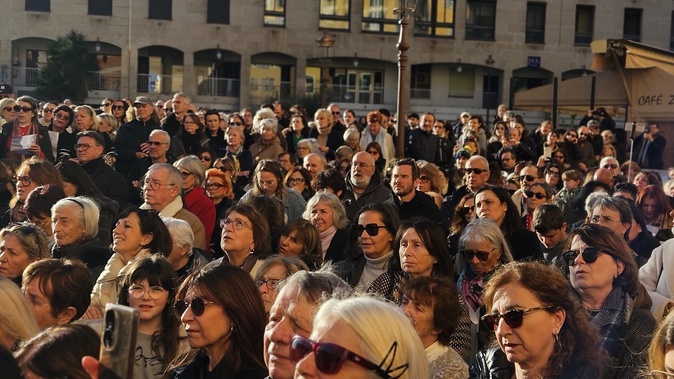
{"x": 440, "y": 294}
{"x": 579, "y": 340}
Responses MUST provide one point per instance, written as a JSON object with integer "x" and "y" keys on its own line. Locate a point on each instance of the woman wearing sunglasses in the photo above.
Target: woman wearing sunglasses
{"x": 194, "y": 194}
{"x": 31, "y": 174}
{"x": 604, "y": 276}
{"x": 361, "y": 337}
{"x": 20, "y": 245}
{"x": 224, "y": 318}
{"x": 26, "y": 124}
{"x": 538, "y": 193}
{"x": 7, "y": 113}
{"x": 150, "y": 287}
{"x": 540, "y": 328}
{"x": 464, "y": 213}
{"x": 219, "y": 190}
{"x": 327, "y": 213}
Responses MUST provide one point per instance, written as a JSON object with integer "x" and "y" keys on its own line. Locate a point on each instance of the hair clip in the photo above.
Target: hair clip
{"x": 388, "y": 372}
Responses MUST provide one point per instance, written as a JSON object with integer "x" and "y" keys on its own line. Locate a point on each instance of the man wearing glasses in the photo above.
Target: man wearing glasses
{"x": 90, "y": 148}
{"x": 476, "y": 176}
{"x": 337, "y": 124}
{"x": 158, "y": 152}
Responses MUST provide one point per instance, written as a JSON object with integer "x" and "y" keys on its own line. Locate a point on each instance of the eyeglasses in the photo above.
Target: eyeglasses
{"x": 271, "y": 283}
{"x": 117, "y": 107}
{"x": 424, "y": 179}
{"x": 476, "y": 171}
{"x": 83, "y": 146}
{"x": 154, "y": 292}
{"x": 330, "y": 357}
{"x": 335, "y": 113}
{"x": 189, "y": 123}
{"x": 62, "y": 116}
{"x": 197, "y": 304}
{"x": 601, "y": 220}
{"x": 513, "y": 318}
{"x": 238, "y": 224}
{"x": 48, "y": 110}
{"x": 590, "y": 255}
{"x": 371, "y": 229}
{"x": 529, "y": 178}
{"x": 658, "y": 374}
{"x": 184, "y": 174}
{"x": 18, "y": 108}
{"x": 8, "y": 109}
{"x": 537, "y": 195}
{"x": 106, "y": 104}
{"x": 559, "y": 156}
{"x": 511, "y": 191}
{"x": 237, "y": 123}
{"x": 373, "y": 152}
{"x": 466, "y": 210}
{"x": 214, "y": 185}
{"x": 292, "y": 181}
{"x": 611, "y": 166}
{"x": 155, "y": 143}
{"x": 583, "y": 134}
{"x": 24, "y": 180}
{"x": 482, "y": 256}
{"x": 571, "y": 136}
{"x": 154, "y": 185}
{"x": 205, "y": 158}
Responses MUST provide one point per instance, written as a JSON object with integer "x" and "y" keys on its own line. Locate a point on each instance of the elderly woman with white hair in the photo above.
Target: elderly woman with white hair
{"x": 184, "y": 257}
{"x": 305, "y": 147}
{"x": 195, "y": 199}
{"x": 358, "y": 338}
{"x": 327, "y": 213}
{"x": 268, "y": 144}
{"x": 75, "y": 229}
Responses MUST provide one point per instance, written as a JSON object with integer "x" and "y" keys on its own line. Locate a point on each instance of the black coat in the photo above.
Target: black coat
{"x": 335, "y": 140}
{"x": 93, "y": 253}
{"x": 110, "y": 182}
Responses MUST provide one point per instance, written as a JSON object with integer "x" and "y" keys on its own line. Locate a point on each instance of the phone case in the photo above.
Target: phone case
{"x": 118, "y": 341}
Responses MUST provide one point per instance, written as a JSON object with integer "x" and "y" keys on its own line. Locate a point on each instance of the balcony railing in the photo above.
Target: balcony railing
{"x": 25, "y": 76}
{"x": 105, "y": 81}
{"x": 350, "y": 94}
{"x": 161, "y": 84}
{"x": 217, "y": 86}
{"x": 260, "y": 92}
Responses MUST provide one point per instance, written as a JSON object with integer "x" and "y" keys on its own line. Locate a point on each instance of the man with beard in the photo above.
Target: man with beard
{"x": 476, "y": 175}
{"x": 364, "y": 185}
{"x": 410, "y": 202}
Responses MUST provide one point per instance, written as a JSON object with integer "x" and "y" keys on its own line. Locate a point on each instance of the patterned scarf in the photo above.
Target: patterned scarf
{"x": 472, "y": 286}
{"x": 612, "y": 322}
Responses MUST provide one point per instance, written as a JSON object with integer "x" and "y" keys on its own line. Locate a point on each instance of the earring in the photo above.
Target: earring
{"x": 252, "y": 250}
{"x": 558, "y": 343}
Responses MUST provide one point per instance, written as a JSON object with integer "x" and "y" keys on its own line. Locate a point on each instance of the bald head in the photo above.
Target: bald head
{"x": 315, "y": 163}
{"x": 603, "y": 175}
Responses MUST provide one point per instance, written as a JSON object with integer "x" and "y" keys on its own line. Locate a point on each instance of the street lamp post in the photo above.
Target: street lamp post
{"x": 324, "y": 43}
{"x": 489, "y": 62}
{"x": 404, "y": 12}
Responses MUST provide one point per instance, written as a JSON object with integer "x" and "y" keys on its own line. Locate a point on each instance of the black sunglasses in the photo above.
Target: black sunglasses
{"x": 197, "y": 304}
{"x": 371, "y": 229}
{"x": 330, "y": 357}
{"x": 511, "y": 191}
{"x": 529, "y": 178}
{"x": 235, "y": 123}
{"x": 476, "y": 171}
{"x": 482, "y": 256}
{"x": 117, "y": 107}
{"x": 513, "y": 318}
{"x": 205, "y": 158}
{"x": 590, "y": 255}
{"x": 537, "y": 195}
{"x": 155, "y": 143}
{"x": 18, "y": 108}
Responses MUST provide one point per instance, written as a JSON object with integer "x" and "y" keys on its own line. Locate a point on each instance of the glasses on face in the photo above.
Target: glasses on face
{"x": 292, "y": 181}
{"x": 571, "y": 136}
{"x": 205, "y": 158}
{"x": 155, "y": 143}
{"x": 237, "y": 123}
{"x": 329, "y": 357}
{"x": 476, "y": 171}
{"x": 197, "y": 304}
{"x": 511, "y": 191}
{"x": 611, "y": 166}
{"x": 48, "y": 110}
{"x": 658, "y": 374}
{"x": 236, "y": 223}
{"x": 184, "y": 174}
{"x": 513, "y": 318}
{"x": 153, "y": 185}
{"x": 270, "y": 283}
{"x": 335, "y": 113}
{"x": 529, "y": 178}
{"x": 18, "y": 108}
{"x": 583, "y": 134}
{"x": 482, "y": 256}
{"x": 590, "y": 255}
{"x": 189, "y": 122}
{"x": 24, "y": 180}
{"x": 62, "y": 116}
{"x": 553, "y": 173}
{"x": 214, "y": 185}
{"x": 169, "y": 109}
{"x": 532, "y": 194}
{"x": 154, "y": 292}
{"x": 467, "y": 210}
{"x": 371, "y": 229}
{"x": 424, "y": 179}
{"x": 559, "y": 156}
{"x": 106, "y": 104}
{"x": 117, "y": 107}
{"x": 83, "y": 146}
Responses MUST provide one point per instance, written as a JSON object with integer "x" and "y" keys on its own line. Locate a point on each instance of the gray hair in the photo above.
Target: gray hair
{"x": 290, "y": 264}
{"x": 164, "y": 133}
{"x": 311, "y": 143}
{"x": 260, "y": 115}
{"x": 193, "y": 164}
{"x": 182, "y": 94}
{"x": 174, "y": 176}
{"x": 271, "y": 122}
{"x": 481, "y": 230}
{"x": 236, "y": 129}
{"x": 181, "y": 232}
{"x": 350, "y": 133}
{"x": 331, "y": 200}
{"x": 592, "y": 199}
{"x": 86, "y": 210}
{"x": 615, "y": 204}
{"x": 318, "y": 286}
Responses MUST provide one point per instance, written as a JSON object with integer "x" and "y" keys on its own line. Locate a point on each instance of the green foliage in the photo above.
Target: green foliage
{"x": 67, "y": 70}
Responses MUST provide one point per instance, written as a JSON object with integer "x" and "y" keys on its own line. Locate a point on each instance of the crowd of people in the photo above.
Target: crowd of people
{"x": 277, "y": 244}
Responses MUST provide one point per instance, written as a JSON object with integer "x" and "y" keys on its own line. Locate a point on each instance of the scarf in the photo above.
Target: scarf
{"x": 612, "y": 321}
{"x": 380, "y": 138}
{"x": 472, "y": 286}
{"x": 20, "y": 131}
{"x": 326, "y": 239}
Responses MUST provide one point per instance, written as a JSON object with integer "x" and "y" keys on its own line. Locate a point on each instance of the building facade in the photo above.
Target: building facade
{"x": 464, "y": 54}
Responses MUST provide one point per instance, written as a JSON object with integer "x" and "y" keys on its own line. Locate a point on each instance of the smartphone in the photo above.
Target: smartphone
{"x": 118, "y": 341}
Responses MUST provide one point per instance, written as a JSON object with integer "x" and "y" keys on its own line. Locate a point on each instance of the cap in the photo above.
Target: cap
{"x": 413, "y": 115}
{"x": 143, "y": 100}
{"x": 6, "y": 88}
{"x": 593, "y": 124}
{"x": 463, "y": 153}
{"x": 465, "y": 114}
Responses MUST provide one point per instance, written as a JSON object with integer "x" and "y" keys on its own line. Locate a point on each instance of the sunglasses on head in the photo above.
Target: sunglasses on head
{"x": 590, "y": 255}
{"x": 330, "y": 358}
{"x": 18, "y": 108}
{"x": 513, "y": 318}
{"x": 371, "y": 229}
{"x": 529, "y": 178}
{"x": 538, "y": 195}
{"x": 476, "y": 171}
{"x": 482, "y": 256}
{"x": 197, "y": 304}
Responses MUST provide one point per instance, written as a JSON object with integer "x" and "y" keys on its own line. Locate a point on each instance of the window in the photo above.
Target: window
{"x": 462, "y": 84}
{"x": 632, "y": 25}
{"x": 420, "y": 87}
{"x": 274, "y": 13}
{"x": 100, "y": 7}
{"x": 584, "y": 25}
{"x": 334, "y": 14}
{"x": 434, "y": 18}
{"x": 217, "y": 12}
{"x": 378, "y": 16}
{"x": 480, "y": 20}
{"x": 38, "y": 5}
{"x": 535, "y": 30}
{"x": 160, "y": 10}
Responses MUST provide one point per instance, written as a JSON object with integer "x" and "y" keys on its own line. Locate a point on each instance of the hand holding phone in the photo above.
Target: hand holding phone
{"x": 118, "y": 342}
